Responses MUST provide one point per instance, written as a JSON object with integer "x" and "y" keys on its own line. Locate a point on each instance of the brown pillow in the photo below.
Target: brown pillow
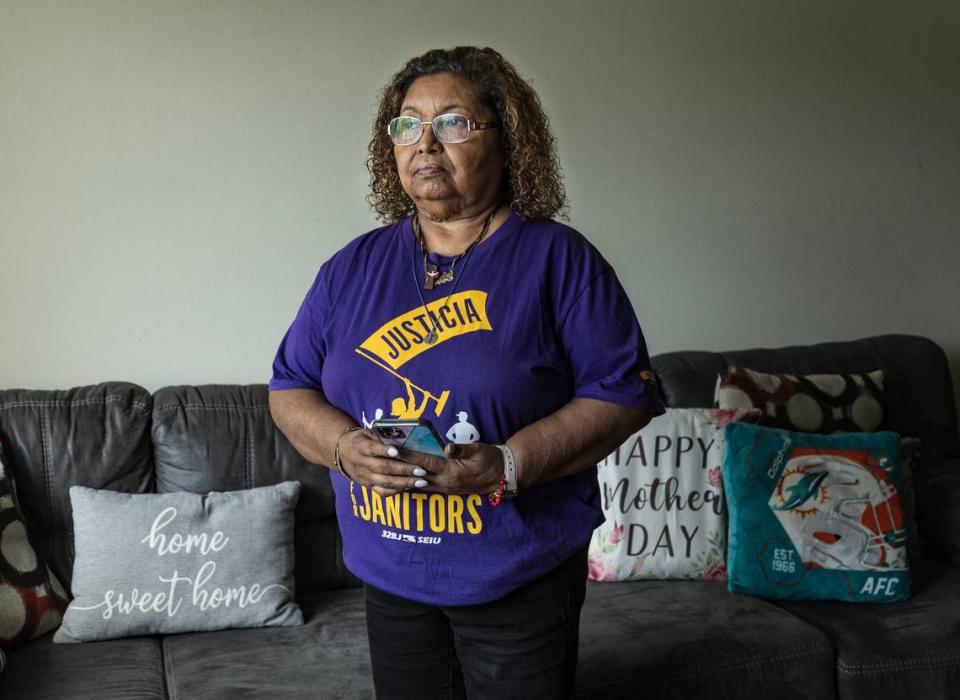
{"x": 812, "y": 403}
{"x": 32, "y": 601}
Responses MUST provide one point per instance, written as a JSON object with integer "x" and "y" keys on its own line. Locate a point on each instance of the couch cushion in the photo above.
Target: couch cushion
{"x": 222, "y": 438}
{"x": 901, "y": 650}
{"x": 938, "y": 511}
{"x": 121, "y": 669}
{"x": 97, "y": 436}
{"x": 327, "y": 657}
{"x": 692, "y": 639}
{"x": 918, "y": 393}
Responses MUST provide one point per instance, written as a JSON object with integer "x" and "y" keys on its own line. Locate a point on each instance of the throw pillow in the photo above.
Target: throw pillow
{"x": 181, "y": 562}
{"x": 663, "y": 500}
{"x": 815, "y": 517}
{"x": 31, "y": 598}
{"x": 812, "y": 403}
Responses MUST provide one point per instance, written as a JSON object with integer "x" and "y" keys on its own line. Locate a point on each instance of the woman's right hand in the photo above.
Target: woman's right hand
{"x": 371, "y": 463}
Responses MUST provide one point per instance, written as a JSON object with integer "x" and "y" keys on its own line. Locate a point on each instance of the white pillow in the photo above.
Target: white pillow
{"x": 662, "y": 495}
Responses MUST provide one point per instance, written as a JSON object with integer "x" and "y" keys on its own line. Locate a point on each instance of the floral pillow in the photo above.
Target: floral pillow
{"x": 815, "y": 517}
{"x": 662, "y": 496}
{"x": 812, "y": 403}
{"x": 32, "y": 601}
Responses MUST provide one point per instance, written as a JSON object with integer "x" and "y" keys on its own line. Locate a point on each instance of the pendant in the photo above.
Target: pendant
{"x": 431, "y": 337}
{"x": 445, "y": 277}
{"x": 430, "y": 276}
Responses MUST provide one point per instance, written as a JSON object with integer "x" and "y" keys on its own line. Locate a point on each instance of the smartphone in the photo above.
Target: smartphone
{"x": 415, "y": 435}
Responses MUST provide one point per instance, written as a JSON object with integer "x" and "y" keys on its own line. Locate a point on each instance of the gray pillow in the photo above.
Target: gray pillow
{"x": 181, "y": 562}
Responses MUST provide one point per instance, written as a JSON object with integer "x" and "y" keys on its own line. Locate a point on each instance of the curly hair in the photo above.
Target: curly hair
{"x": 532, "y": 182}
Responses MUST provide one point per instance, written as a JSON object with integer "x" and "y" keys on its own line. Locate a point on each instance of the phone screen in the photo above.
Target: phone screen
{"x": 410, "y": 435}
{"x": 395, "y": 435}
{"x": 421, "y": 439}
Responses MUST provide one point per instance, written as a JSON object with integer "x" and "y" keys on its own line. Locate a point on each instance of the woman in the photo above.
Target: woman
{"x": 513, "y": 336}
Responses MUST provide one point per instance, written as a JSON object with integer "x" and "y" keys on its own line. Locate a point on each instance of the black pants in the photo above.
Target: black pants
{"x": 523, "y": 645}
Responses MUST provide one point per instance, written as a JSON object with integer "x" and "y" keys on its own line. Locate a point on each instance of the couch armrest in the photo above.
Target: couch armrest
{"x": 937, "y": 492}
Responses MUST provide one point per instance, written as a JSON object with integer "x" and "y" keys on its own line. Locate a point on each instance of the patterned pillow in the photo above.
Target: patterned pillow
{"x": 32, "y": 601}
{"x": 813, "y": 403}
{"x": 815, "y": 517}
{"x": 663, "y": 500}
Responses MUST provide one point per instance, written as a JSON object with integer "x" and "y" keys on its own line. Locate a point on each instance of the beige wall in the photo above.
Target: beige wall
{"x": 760, "y": 173}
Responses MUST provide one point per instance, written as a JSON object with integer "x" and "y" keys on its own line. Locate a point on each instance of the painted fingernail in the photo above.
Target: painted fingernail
{"x": 393, "y": 452}
{"x": 419, "y": 472}
{"x": 419, "y": 483}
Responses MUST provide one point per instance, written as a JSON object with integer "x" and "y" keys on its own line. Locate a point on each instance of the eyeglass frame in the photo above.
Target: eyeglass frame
{"x": 471, "y": 126}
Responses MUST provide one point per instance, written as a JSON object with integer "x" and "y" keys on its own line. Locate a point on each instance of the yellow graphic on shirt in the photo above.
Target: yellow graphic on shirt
{"x": 389, "y": 347}
{"x": 408, "y": 407}
{"x": 420, "y": 512}
{"x": 401, "y": 339}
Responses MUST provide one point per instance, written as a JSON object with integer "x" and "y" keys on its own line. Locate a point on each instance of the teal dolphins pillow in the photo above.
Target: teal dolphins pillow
{"x": 815, "y": 517}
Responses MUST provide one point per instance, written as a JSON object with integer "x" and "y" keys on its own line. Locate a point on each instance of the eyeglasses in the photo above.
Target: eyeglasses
{"x": 448, "y": 128}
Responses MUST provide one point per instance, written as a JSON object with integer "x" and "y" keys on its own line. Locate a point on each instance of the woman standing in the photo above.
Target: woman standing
{"x": 511, "y": 334}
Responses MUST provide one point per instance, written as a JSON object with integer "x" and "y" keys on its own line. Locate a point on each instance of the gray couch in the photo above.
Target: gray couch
{"x": 668, "y": 639}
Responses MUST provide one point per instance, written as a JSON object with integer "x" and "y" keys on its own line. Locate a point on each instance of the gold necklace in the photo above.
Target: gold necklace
{"x": 432, "y": 276}
{"x": 434, "y": 333}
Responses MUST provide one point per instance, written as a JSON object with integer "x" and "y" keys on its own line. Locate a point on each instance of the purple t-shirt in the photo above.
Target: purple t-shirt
{"x": 538, "y": 318}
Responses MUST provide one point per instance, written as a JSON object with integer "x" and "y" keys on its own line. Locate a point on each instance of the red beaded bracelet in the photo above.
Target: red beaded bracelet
{"x": 497, "y": 496}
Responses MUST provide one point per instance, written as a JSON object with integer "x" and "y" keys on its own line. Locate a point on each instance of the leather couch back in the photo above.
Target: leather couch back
{"x": 221, "y": 437}
{"x": 97, "y": 436}
{"x": 117, "y": 436}
{"x": 918, "y": 393}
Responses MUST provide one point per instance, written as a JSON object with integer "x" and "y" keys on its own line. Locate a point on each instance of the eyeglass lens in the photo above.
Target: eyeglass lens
{"x": 448, "y": 128}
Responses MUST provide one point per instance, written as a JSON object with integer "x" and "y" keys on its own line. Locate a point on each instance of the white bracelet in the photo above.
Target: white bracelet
{"x": 509, "y": 467}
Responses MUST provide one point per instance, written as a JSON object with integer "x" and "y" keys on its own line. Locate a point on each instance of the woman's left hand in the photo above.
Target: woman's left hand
{"x": 468, "y": 468}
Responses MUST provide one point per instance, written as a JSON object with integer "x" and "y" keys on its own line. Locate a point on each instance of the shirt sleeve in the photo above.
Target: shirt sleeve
{"x": 298, "y": 363}
{"x": 605, "y": 347}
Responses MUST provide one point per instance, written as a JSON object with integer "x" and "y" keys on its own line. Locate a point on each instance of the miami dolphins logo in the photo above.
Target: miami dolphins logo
{"x": 802, "y": 492}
